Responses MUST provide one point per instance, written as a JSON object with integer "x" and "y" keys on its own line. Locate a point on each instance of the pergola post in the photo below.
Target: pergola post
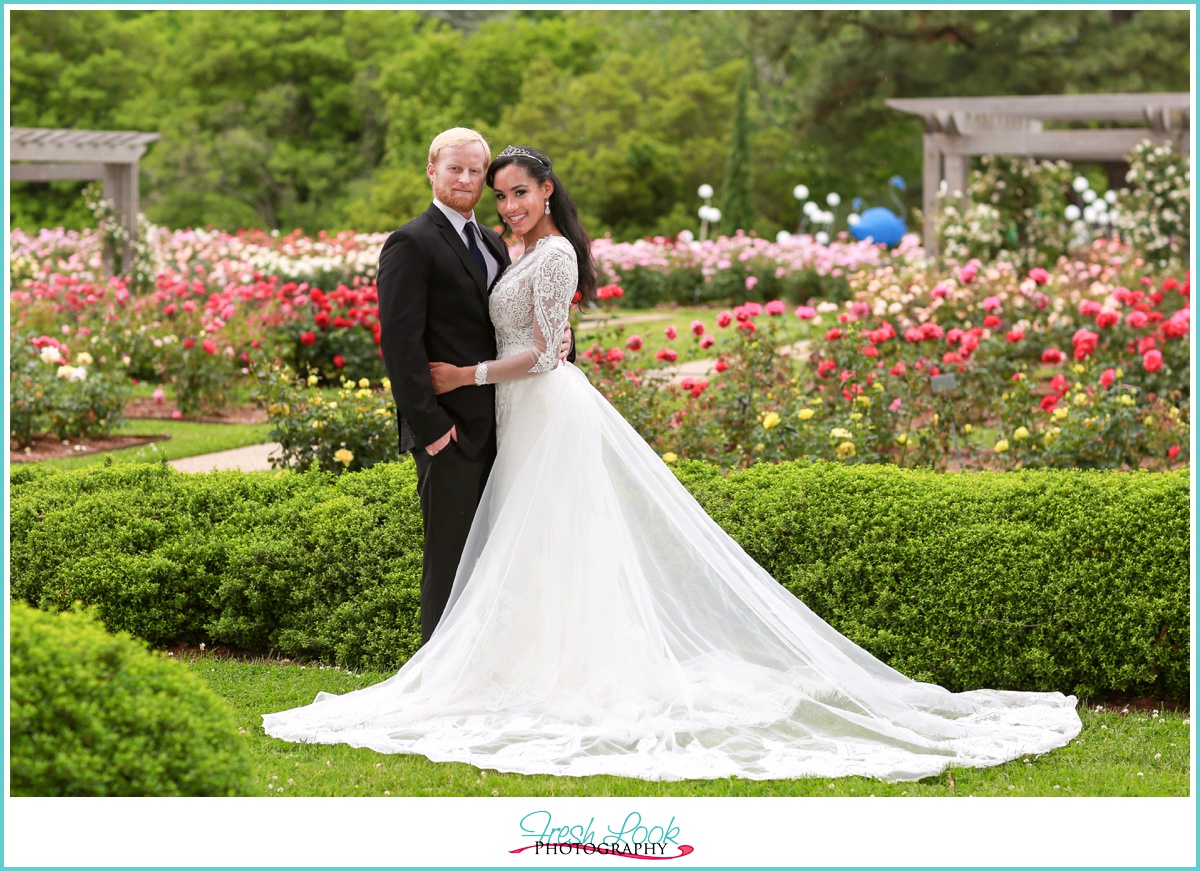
{"x": 959, "y": 128}
{"x": 38, "y": 154}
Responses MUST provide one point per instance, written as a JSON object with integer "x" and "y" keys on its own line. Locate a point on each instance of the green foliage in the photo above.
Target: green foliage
{"x": 322, "y": 118}
{"x": 300, "y": 564}
{"x": 1014, "y": 211}
{"x": 1036, "y": 580}
{"x": 737, "y": 191}
{"x": 354, "y": 430}
{"x": 1155, "y": 209}
{"x": 1075, "y": 581}
{"x": 70, "y": 401}
{"x": 95, "y": 714}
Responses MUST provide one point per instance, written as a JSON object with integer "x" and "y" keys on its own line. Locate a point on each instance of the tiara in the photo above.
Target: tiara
{"x": 517, "y": 151}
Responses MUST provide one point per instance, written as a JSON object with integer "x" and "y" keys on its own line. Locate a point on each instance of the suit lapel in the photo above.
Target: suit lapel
{"x": 459, "y": 247}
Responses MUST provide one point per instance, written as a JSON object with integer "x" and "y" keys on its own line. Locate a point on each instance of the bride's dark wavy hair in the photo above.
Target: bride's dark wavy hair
{"x": 562, "y": 210}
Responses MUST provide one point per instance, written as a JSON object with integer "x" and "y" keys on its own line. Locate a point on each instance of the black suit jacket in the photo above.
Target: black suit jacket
{"x": 433, "y": 307}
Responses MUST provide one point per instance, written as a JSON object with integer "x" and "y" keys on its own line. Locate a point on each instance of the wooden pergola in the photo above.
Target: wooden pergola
{"x": 40, "y": 154}
{"x": 959, "y": 128}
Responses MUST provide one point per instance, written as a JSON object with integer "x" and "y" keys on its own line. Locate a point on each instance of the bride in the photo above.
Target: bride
{"x": 602, "y": 623}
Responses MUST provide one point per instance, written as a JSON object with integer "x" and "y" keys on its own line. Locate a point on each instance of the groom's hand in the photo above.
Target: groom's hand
{"x": 441, "y": 443}
{"x": 564, "y": 347}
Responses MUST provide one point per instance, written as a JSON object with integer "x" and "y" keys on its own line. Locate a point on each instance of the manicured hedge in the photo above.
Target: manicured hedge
{"x": 1040, "y": 580}
{"x": 97, "y": 714}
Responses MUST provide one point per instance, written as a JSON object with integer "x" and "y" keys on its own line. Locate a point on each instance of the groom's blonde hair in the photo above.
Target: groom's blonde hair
{"x": 455, "y": 137}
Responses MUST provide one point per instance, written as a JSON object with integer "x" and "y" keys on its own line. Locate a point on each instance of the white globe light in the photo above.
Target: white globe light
{"x": 827, "y": 217}
{"x": 811, "y": 209}
{"x": 800, "y": 192}
{"x": 822, "y": 237}
{"x": 714, "y": 214}
{"x": 1099, "y": 205}
{"x": 833, "y": 200}
{"x": 782, "y": 236}
{"x": 703, "y": 213}
{"x": 1110, "y": 197}
{"x": 1089, "y": 215}
{"x": 705, "y": 191}
{"x": 1088, "y": 196}
{"x": 686, "y": 236}
{"x": 1080, "y": 184}
{"x": 852, "y": 219}
{"x": 1072, "y": 212}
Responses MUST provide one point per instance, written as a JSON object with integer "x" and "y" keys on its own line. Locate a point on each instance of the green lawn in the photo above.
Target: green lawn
{"x": 1115, "y": 755}
{"x": 187, "y": 439}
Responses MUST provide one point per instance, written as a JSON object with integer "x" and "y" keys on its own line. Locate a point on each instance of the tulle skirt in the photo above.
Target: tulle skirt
{"x": 602, "y": 623}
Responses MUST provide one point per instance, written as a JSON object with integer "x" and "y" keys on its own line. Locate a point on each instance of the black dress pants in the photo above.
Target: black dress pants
{"x": 450, "y": 485}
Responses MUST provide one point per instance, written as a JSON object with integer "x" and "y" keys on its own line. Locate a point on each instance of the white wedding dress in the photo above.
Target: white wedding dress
{"x": 602, "y": 623}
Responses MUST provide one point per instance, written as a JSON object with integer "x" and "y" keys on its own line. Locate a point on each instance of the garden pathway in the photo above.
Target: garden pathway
{"x": 253, "y": 458}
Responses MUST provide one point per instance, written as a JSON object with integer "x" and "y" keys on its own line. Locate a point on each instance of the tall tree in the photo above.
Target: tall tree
{"x": 737, "y": 191}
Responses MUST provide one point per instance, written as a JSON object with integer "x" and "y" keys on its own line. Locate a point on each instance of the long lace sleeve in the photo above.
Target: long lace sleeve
{"x": 551, "y": 285}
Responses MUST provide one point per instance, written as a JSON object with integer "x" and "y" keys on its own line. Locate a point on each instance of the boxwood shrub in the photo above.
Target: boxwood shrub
{"x": 1036, "y": 580}
{"x": 97, "y": 714}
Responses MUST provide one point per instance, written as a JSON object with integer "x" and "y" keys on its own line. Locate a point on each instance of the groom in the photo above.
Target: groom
{"x": 435, "y": 274}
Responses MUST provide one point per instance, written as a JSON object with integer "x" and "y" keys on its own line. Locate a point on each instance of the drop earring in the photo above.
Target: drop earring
{"x": 547, "y": 205}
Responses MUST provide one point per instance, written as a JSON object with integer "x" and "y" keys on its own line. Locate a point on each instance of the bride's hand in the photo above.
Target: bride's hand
{"x": 447, "y": 377}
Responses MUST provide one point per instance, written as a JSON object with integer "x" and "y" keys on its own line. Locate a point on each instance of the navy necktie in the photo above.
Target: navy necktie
{"x": 473, "y": 247}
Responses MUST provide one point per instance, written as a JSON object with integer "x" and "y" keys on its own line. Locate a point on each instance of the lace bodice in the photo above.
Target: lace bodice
{"x": 529, "y": 308}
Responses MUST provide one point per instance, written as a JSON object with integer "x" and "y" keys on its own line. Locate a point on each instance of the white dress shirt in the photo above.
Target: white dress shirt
{"x": 459, "y": 223}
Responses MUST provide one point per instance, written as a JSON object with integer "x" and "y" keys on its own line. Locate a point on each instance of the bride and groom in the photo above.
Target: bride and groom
{"x": 590, "y": 617}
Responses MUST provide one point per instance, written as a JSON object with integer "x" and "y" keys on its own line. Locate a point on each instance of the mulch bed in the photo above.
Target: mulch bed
{"x": 50, "y": 447}
{"x": 150, "y": 410}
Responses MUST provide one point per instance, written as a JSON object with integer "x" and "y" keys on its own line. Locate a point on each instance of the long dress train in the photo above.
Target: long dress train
{"x": 602, "y": 623}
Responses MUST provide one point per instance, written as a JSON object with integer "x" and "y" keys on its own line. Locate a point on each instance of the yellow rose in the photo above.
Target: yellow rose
{"x": 863, "y": 400}
{"x": 1021, "y": 433}
{"x": 317, "y": 424}
{"x": 669, "y": 457}
{"x": 856, "y": 415}
{"x": 967, "y": 429}
{"x": 313, "y": 380}
{"x": 758, "y": 447}
{"x": 1148, "y": 420}
{"x": 805, "y": 413}
{"x": 83, "y": 358}
{"x": 902, "y": 439}
{"x": 364, "y": 382}
{"x": 846, "y": 449}
{"x": 333, "y": 406}
{"x": 1060, "y": 413}
{"x": 1120, "y": 373}
{"x": 1078, "y": 368}
{"x": 344, "y": 457}
{"x": 1049, "y": 437}
{"x": 770, "y": 420}
{"x": 878, "y": 385}
{"x": 840, "y": 433}
{"x": 1080, "y": 400}
{"x": 1001, "y": 446}
{"x": 387, "y": 383}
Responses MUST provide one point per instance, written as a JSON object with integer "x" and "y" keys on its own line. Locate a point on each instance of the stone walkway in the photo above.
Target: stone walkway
{"x": 253, "y": 458}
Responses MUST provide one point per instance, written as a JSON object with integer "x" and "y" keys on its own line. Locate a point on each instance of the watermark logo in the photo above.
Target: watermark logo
{"x": 632, "y": 839}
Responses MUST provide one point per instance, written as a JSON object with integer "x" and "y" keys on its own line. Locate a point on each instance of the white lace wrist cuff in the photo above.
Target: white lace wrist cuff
{"x": 480, "y": 374}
